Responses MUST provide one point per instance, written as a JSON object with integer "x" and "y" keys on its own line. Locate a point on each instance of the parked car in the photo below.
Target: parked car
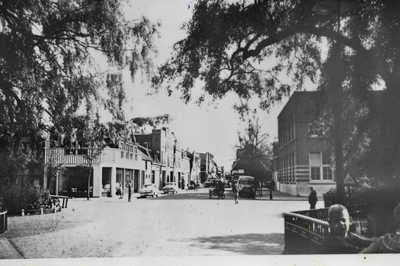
{"x": 246, "y": 186}
{"x": 211, "y": 182}
{"x": 149, "y": 190}
{"x": 191, "y": 185}
{"x": 170, "y": 187}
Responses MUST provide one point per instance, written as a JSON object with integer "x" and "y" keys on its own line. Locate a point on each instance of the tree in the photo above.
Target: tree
{"x": 48, "y": 62}
{"x": 255, "y": 137}
{"x": 266, "y": 49}
{"x": 253, "y": 150}
{"x": 94, "y": 135}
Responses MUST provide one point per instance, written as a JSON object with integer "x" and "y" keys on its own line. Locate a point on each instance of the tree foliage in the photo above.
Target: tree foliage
{"x": 255, "y": 140}
{"x": 254, "y": 150}
{"x": 50, "y": 67}
{"x": 267, "y": 49}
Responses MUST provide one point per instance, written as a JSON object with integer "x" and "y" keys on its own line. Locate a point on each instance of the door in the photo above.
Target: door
{"x": 106, "y": 182}
{"x": 136, "y": 182}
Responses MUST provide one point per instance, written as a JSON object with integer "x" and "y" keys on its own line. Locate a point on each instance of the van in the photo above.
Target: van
{"x": 246, "y": 186}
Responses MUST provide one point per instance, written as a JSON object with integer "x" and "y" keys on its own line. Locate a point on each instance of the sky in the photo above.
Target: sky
{"x": 212, "y": 127}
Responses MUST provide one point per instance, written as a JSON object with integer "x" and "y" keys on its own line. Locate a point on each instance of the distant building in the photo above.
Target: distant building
{"x": 194, "y": 160}
{"x": 249, "y": 164}
{"x": 161, "y": 142}
{"x": 207, "y": 166}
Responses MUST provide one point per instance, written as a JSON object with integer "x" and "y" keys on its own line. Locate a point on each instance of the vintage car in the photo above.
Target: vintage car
{"x": 246, "y": 186}
{"x": 170, "y": 187}
{"x": 192, "y": 185}
{"x": 149, "y": 190}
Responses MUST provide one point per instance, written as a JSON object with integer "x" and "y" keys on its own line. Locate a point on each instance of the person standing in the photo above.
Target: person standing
{"x": 235, "y": 193}
{"x": 312, "y": 198}
{"x": 272, "y": 185}
{"x": 129, "y": 186}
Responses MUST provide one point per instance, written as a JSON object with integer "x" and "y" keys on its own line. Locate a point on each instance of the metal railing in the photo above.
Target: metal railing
{"x": 303, "y": 234}
{"x": 305, "y": 230}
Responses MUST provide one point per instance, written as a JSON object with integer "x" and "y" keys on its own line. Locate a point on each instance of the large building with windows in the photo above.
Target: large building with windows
{"x": 303, "y": 156}
{"x": 112, "y": 170}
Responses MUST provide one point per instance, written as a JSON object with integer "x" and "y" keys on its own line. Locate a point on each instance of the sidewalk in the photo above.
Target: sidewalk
{"x": 279, "y": 196}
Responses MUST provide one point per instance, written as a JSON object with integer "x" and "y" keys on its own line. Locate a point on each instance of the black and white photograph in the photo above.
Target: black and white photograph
{"x": 199, "y": 132}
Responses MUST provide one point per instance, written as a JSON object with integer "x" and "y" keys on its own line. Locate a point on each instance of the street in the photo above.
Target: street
{"x": 183, "y": 224}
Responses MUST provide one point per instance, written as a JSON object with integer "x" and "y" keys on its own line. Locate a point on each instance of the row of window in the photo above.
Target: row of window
{"x": 287, "y": 174}
{"x": 286, "y": 130}
{"x": 319, "y": 163}
{"x": 128, "y": 155}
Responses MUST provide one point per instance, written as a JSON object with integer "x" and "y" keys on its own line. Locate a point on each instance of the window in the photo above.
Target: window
{"x": 286, "y": 130}
{"x": 320, "y": 168}
{"x": 135, "y": 151}
{"x": 317, "y": 127}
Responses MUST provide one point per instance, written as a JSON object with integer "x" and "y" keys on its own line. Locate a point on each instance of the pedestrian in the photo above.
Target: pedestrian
{"x": 312, "y": 198}
{"x": 235, "y": 193}
{"x": 339, "y": 240}
{"x": 129, "y": 186}
{"x": 121, "y": 194}
{"x": 118, "y": 192}
{"x": 272, "y": 185}
{"x": 389, "y": 242}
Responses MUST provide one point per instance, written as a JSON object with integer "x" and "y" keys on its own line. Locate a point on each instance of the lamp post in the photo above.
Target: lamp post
{"x": 336, "y": 8}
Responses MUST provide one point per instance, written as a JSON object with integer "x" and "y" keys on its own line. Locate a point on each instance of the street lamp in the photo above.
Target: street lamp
{"x": 336, "y": 8}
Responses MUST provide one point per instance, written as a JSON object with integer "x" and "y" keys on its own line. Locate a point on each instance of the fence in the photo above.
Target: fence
{"x": 3, "y": 222}
{"x": 305, "y": 230}
{"x": 303, "y": 234}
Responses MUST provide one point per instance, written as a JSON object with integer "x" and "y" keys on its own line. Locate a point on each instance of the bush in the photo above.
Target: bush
{"x": 380, "y": 202}
{"x": 16, "y": 197}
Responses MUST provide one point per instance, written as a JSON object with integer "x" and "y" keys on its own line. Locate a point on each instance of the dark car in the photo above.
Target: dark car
{"x": 191, "y": 185}
{"x": 246, "y": 186}
{"x": 211, "y": 182}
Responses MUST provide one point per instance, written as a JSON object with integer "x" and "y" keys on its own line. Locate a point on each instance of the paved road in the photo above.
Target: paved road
{"x": 184, "y": 224}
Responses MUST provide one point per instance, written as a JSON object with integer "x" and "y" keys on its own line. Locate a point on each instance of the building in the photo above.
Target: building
{"x": 161, "y": 142}
{"x": 111, "y": 170}
{"x": 303, "y": 158}
{"x": 207, "y": 166}
{"x": 195, "y": 165}
{"x": 148, "y": 158}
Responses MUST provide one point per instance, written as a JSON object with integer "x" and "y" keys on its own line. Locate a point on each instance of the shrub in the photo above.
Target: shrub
{"x": 381, "y": 202}
{"x": 16, "y": 197}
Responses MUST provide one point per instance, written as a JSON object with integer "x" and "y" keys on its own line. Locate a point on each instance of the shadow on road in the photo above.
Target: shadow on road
{"x": 244, "y": 244}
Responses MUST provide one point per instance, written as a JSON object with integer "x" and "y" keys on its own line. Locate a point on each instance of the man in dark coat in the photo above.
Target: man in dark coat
{"x": 312, "y": 198}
